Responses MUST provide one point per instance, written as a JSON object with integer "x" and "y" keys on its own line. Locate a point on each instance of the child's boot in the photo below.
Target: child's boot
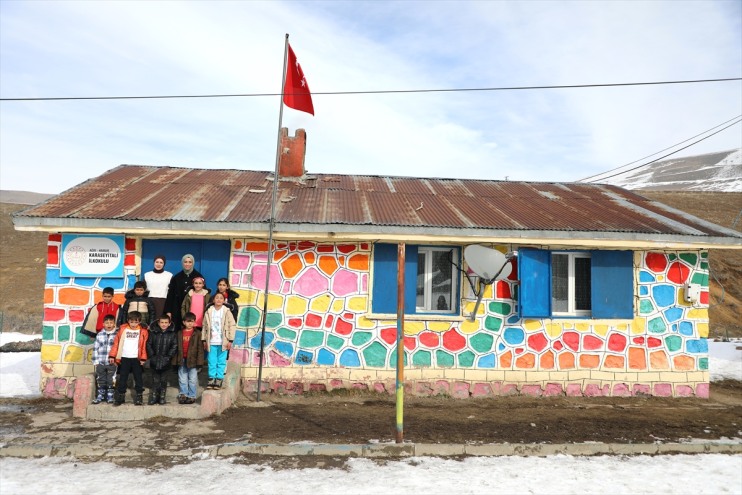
{"x": 118, "y": 398}
{"x": 100, "y": 397}
{"x": 218, "y": 383}
{"x": 109, "y": 396}
{"x": 161, "y": 396}
{"x": 153, "y": 398}
{"x": 139, "y": 399}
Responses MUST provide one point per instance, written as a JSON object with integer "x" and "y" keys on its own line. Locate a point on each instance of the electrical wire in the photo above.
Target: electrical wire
{"x": 660, "y": 151}
{"x": 662, "y": 157}
{"x": 390, "y": 91}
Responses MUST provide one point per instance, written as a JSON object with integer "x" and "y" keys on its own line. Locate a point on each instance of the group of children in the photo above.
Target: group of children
{"x": 127, "y": 337}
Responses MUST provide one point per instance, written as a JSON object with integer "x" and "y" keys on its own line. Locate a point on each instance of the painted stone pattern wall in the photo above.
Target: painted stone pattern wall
{"x": 319, "y": 335}
{"x": 65, "y": 352}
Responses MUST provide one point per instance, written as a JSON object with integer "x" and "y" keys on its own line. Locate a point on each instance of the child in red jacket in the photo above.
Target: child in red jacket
{"x": 94, "y": 320}
{"x": 129, "y": 352}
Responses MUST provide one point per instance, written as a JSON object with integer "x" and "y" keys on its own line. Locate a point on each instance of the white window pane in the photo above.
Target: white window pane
{"x": 559, "y": 283}
{"x": 441, "y": 282}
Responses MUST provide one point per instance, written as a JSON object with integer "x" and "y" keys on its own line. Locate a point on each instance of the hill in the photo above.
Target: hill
{"x": 23, "y": 258}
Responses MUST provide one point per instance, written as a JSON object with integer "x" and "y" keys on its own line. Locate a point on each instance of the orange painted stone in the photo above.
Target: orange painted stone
{"x": 637, "y": 358}
{"x": 614, "y": 362}
{"x": 341, "y": 260}
{"x": 546, "y": 362}
{"x": 358, "y": 262}
{"x": 256, "y": 246}
{"x": 589, "y": 361}
{"x": 71, "y": 296}
{"x": 278, "y": 254}
{"x": 309, "y": 258}
{"x": 238, "y": 244}
{"x": 291, "y": 266}
{"x": 526, "y": 361}
{"x": 328, "y": 265}
{"x": 48, "y": 296}
{"x": 566, "y": 360}
{"x": 684, "y": 363}
{"x": 506, "y": 360}
{"x": 658, "y": 360}
{"x": 119, "y": 299}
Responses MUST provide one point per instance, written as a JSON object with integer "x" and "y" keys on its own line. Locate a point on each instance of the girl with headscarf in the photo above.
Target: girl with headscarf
{"x": 158, "y": 281}
{"x": 179, "y": 285}
{"x": 230, "y": 297}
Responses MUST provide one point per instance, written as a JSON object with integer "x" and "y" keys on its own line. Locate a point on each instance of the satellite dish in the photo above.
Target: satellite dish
{"x": 489, "y": 265}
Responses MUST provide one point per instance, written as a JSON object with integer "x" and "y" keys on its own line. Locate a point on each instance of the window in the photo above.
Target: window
{"x": 597, "y": 284}
{"x": 431, "y": 279}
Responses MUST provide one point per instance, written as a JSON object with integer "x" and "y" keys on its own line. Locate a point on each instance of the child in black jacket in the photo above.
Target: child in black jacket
{"x": 137, "y": 299}
{"x": 162, "y": 345}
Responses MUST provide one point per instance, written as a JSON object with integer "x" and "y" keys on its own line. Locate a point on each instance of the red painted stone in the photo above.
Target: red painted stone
{"x": 704, "y": 297}
{"x": 55, "y": 237}
{"x": 558, "y": 346}
{"x": 653, "y": 342}
{"x": 77, "y": 315}
{"x": 346, "y": 248}
{"x": 130, "y": 244}
{"x": 130, "y": 260}
{"x": 325, "y": 248}
{"x": 410, "y": 343}
{"x": 349, "y": 316}
{"x": 514, "y": 270}
{"x": 537, "y": 342}
{"x": 591, "y": 343}
{"x": 657, "y": 262}
{"x": 296, "y": 322}
{"x": 519, "y": 350}
{"x": 364, "y": 246}
{"x": 503, "y": 290}
{"x": 453, "y": 340}
{"x": 617, "y": 342}
{"x": 313, "y": 320}
{"x": 343, "y": 327}
{"x": 678, "y": 273}
{"x": 639, "y": 340}
{"x": 571, "y": 340}
{"x": 389, "y": 335}
{"x": 53, "y": 314}
{"x": 52, "y": 255}
{"x": 329, "y": 320}
{"x": 429, "y": 339}
{"x": 304, "y": 245}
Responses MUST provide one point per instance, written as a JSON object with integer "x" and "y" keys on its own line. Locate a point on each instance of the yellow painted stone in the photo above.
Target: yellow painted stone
{"x": 468, "y": 327}
{"x": 247, "y": 296}
{"x": 89, "y": 355}
{"x": 296, "y": 306}
{"x": 622, "y": 328}
{"x": 638, "y": 326}
{"x": 582, "y": 327}
{"x": 703, "y": 330}
{"x": 357, "y": 303}
{"x": 470, "y": 308}
{"x": 73, "y": 354}
{"x": 50, "y": 353}
{"x": 413, "y": 327}
{"x": 365, "y": 323}
{"x": 601, "y": 330}
{"x": 321, "y": 304}
{"x": 275, "y": 302}
{"x": 567, "y": 326}
{"x": 531, "y": 325}
{"x": 439, "y": 326}
{"x": 553, "y": 330}
{"x": 338, "y": 305}
{"x": 488, "y": 292}
{"x": 660, "y": 278}
{"x": 699, "y": 314}
{"x": 681, "y": 299}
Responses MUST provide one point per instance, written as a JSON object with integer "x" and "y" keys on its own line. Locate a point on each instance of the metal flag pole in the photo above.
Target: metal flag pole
{"x": 399, "y": 436}
{"x": 272, "y": 222}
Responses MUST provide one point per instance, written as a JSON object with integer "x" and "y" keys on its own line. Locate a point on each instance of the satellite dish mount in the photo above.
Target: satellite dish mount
{"x": 489, "y": 265}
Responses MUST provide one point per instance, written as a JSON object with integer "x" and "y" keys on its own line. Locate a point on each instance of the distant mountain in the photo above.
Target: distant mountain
{"x": 23, "y": 197}
{"x": 717, "y": 172}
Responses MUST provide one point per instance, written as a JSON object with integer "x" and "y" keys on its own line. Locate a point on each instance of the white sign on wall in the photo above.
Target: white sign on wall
{"x": 92, "y": 256}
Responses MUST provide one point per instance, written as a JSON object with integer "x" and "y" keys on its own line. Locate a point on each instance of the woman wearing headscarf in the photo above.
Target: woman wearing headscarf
{"x": 178, "y": 287}
{"x": 158, "y": 281}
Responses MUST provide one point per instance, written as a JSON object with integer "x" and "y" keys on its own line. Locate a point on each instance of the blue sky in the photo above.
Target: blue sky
{"x": 163, "y": 48}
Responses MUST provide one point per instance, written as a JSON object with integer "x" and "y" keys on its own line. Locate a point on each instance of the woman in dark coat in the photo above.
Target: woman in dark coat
{"x": 179, "y": 285}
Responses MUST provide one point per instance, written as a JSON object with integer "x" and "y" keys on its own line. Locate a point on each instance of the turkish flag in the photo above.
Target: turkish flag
{"x": 296, "y": 90}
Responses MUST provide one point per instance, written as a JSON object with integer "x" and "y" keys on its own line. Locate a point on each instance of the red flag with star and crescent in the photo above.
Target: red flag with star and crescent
{"x": 296, "y": 90}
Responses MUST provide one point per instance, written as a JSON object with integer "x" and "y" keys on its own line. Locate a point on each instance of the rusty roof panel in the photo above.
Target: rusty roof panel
{"x": 449, "y": 187}
{"x": 346, "y": 207}
{"x": 390, "y": 209}
{"x": 407, "y": 185}
{"x": 371, "y": 183}
{"x": 69, "y": 202}
{"x": 298, "y": 205}
{"x": 252, "y": 207}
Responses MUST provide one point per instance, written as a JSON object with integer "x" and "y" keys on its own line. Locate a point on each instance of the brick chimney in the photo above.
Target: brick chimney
{"x": 292, "y": 153}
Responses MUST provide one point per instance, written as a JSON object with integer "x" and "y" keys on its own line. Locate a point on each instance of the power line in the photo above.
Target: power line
{"x": 660, "y": 151}
{"x": 390, "y": 91}
{"x": 669, "y": 154}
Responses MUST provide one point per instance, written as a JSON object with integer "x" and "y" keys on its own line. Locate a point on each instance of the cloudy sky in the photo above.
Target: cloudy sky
{"x": 59, "y": 48}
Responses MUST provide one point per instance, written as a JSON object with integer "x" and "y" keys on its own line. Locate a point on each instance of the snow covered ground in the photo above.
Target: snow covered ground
{"x": 614, "y": 475}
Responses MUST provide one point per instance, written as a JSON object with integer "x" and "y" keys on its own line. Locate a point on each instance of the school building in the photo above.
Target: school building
{"x": 607, "y": 294}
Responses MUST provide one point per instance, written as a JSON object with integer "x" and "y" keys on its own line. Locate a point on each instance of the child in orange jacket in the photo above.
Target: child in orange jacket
{"x": 129, "y": 352}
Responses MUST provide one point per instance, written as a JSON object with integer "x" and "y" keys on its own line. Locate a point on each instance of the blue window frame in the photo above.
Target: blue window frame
{"x": 431, "y": 280}
{"x": 597, "y": 284}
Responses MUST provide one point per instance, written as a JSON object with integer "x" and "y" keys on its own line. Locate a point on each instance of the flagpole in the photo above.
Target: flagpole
{"x": 272, "y": 221}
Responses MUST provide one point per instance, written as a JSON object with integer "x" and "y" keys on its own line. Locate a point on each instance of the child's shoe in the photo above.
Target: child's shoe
{"x": 100, "y": 397}
{"x": 211, "y": 384}
{"x": 153, "y": 399}
{"x": 138, "y": 400}
{"x": 161, "y": 396}
{"x": 218, "y": 383}
{"x": 109, "y": 396}
{"x": 181, "y": 399}
{"x": 118, "y": 399}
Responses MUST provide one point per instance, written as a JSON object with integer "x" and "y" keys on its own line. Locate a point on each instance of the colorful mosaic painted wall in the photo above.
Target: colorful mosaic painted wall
{"x": 65, "y": 352}
{"x": 320, "y": 335}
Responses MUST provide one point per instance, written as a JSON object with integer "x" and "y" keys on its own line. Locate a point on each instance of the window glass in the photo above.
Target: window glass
{"x": 420, "y": 297}
{"x": 559, "y": 283}
{"x": 582, "y": 284}
{"x": 442, "y": 276}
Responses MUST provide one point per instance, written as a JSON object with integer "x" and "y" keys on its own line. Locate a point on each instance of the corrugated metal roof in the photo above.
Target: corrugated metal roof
{"x": 133, "y": 192}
